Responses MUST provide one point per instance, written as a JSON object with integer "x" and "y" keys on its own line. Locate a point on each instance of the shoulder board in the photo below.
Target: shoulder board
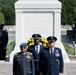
{"x": 30, "y": 53}
{"x": 16, "y": 53}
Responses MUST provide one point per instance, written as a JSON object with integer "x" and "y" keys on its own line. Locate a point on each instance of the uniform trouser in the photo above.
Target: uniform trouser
{"x": 36, "y": 69}
{"x": 2, "y": 54}
{"x": 37, "y": 72}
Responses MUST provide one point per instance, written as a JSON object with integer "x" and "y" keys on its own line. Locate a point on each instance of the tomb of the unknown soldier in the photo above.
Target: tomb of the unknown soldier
{"x": 38, "y": 16}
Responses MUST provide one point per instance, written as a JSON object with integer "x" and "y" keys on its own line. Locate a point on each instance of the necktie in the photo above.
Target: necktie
{"x": 36, "y": 49}
{"x": 51, "y": 51}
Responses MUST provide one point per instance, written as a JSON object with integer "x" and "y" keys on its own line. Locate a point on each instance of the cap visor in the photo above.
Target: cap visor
{"x": 36, "y": 38}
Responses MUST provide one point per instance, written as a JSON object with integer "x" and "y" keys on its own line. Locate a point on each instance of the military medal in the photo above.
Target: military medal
{"x": 57, "y": 54}
{"x": 28, "y": 56}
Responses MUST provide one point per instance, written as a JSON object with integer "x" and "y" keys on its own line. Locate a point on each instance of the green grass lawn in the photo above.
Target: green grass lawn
{"x": 9, "y": 47}
{"x": 69, "y": 50}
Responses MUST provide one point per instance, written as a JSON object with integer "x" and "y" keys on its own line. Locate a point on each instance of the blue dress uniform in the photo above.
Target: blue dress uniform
{"x": 36, "y": 54}
{"x": 36, "y": 57}
{"x": 23, "y": 64}
{"x": 3, "y": 42}
{"x": 51, "y": 63}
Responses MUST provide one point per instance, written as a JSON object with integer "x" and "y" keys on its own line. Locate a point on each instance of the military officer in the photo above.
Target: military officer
{"x": 23, "y": 63}
{"x": 3, "y": 42}
{"x": 51, "y": 58}
{"x": 36, "y": 49}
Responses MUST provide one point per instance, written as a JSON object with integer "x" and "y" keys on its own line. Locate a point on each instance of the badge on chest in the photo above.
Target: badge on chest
{"x": 57, "y": 53}
{"x": 28, "y": 57}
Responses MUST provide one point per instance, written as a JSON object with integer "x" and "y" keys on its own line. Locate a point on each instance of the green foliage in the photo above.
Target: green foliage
{"x": 68, "y": 15}
{"x": 8, "y": 11}
{"x": 64, "y": 18}
{"x": 1, "y": 17}
{"x": 69, "y": 50}
{"x": 9, "y": 15}
{"x": 68, "y": 12}
{"x": 9, "y": 47}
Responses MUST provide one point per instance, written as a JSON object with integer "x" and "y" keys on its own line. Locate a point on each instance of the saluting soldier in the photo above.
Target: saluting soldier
{"x": 23, "y": 63}
{"x": 36, "y": 49}
{"x": 3, "y": 42}
{"x": 51, "y": 59}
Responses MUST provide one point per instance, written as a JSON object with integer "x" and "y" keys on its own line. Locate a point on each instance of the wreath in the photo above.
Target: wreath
{"x": 43, "y": 41}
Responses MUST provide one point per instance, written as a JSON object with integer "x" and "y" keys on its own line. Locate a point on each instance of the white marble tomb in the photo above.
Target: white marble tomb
{"x": 38, "y": 16}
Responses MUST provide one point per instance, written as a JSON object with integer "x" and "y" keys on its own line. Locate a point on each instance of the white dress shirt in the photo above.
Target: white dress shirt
{"x": 52, "y": 50}
{"x": 38, "y": 48}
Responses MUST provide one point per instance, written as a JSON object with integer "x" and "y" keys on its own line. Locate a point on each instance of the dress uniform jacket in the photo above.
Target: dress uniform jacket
{"x": 52, "y": 62}
{"x": 23, "y": 64}
{"x": 3, "y": 44}
{"x": 36, "y": 57}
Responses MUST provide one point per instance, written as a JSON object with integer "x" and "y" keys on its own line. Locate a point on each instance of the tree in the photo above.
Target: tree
{"x": 64, "y": 17}
{"x": 68, "y": 12}
{"x": 1, "y": 18}
{"x": 8, "y": 11}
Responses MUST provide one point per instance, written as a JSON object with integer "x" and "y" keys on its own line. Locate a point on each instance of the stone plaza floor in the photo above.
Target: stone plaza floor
{"x": 70, "y": 69}
{"x": 6, "y": 68}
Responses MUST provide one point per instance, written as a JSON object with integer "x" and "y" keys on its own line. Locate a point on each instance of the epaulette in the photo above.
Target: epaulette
{"x": 30, "y": 53}
{"x": 16, "y": 53}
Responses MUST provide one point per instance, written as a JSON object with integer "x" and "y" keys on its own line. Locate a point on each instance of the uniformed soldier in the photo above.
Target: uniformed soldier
{"x": 51, "y": 60}
{"x": 3, "y": 42}
{"x": 23, "y": 63}
{"x": 36, "y": 49}
{"x": 74, "y": 33}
